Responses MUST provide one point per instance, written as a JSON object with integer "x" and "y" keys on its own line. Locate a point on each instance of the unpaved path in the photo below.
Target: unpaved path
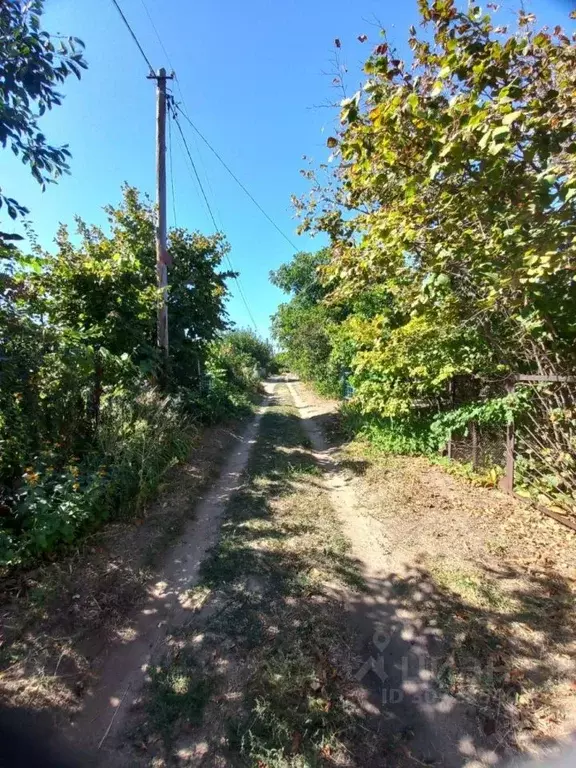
{"x": 317, "y": 633}
{"x": 122, "y": 671}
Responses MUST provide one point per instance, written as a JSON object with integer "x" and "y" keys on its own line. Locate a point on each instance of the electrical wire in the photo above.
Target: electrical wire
{"x": 152, "y": 72}
{"x": 236, "y": 179}
{"x": 127, "y": 23}
{"x": 195, "y": 171}
{"x": 211, "y": 213}
{"x": 178, "y": 86}
{"x": 151, "y": 20}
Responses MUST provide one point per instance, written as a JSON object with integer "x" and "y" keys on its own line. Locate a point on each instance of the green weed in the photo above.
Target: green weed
{"x": 179, "y": 691}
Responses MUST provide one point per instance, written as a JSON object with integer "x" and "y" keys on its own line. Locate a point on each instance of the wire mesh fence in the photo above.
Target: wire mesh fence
{"x": 545, "y": 445}
{"x": 480, "y": 445}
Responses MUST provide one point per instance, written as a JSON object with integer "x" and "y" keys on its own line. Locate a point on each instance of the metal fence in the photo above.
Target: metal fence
{"x": 481, "y": 446}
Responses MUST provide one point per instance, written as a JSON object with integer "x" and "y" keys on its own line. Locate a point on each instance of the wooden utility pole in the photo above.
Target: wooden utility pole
{"x": 162, "y": 258}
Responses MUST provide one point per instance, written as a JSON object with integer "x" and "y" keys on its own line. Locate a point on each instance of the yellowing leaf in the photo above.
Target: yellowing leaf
{"x": 483, "y": 143}
{"x": 511, "y": 117}
{"x": 501, "y": 129}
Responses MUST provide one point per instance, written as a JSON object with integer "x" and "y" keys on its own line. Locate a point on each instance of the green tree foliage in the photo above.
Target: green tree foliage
{"x": 248, "y": 344}
{"x": 104, "y": 290}
{"x": 319, "y": 332}
{"x": 301, "y": 276}
{"x": 32, "y": 66}
{"x": 85, "y": 431}
{"x": 454, "y": 207}
{"x": 301, "y": 326}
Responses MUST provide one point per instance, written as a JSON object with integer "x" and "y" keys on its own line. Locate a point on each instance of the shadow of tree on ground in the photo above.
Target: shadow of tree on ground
{"x": 486, "y": 653}
{"x": 292, "y": 656}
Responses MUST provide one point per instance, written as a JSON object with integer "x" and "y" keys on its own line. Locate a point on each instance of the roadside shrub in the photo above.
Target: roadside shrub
{"x": 84, "y": 434}
{"x": 408, "y": 436}
{"x": 234, "y": 366}
{"x": 216, "y": 402}
{"x": 250, "y": 346}
{"x": 140, "y": 437}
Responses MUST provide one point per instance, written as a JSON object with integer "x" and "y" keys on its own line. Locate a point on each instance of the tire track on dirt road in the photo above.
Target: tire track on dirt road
{"x": 122, "y": 671}
{"x": 418, "y": 723}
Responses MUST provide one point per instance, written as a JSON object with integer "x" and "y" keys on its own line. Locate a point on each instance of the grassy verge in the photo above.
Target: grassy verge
{"x": 267, "y": 640}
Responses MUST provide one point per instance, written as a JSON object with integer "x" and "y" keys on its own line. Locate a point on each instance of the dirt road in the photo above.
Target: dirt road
{"x": 327, "y": 606}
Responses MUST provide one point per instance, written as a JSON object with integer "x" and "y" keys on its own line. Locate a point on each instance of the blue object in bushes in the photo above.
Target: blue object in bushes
{"x": 347, "y": 388}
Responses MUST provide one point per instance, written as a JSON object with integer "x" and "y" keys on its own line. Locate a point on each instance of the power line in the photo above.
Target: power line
{"x": 195, "y": 170}
{"x": 211, "y": 213}
{"x": 166, "y": 54}
{"x": 237, "y": 180}
{"x": 125, "y": 20}
{"x": 216, "y": 227}
{"x": 180, "y": 92}
{"x": 151, "y": 20}
{"x": 173, "y": 114}
{"x": 173, "y": 104}
{"x": 152, "y": 72}
{"x": 242, "y": 296}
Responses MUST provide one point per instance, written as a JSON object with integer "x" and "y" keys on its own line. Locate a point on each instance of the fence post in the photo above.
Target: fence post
{"x": 474, "y": 434}
{"x": 510, "y": 439}
{"x": 451, "y": 394}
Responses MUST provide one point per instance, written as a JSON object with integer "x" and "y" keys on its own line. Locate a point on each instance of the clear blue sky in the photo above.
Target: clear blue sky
{"x": 252, "y": 75}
